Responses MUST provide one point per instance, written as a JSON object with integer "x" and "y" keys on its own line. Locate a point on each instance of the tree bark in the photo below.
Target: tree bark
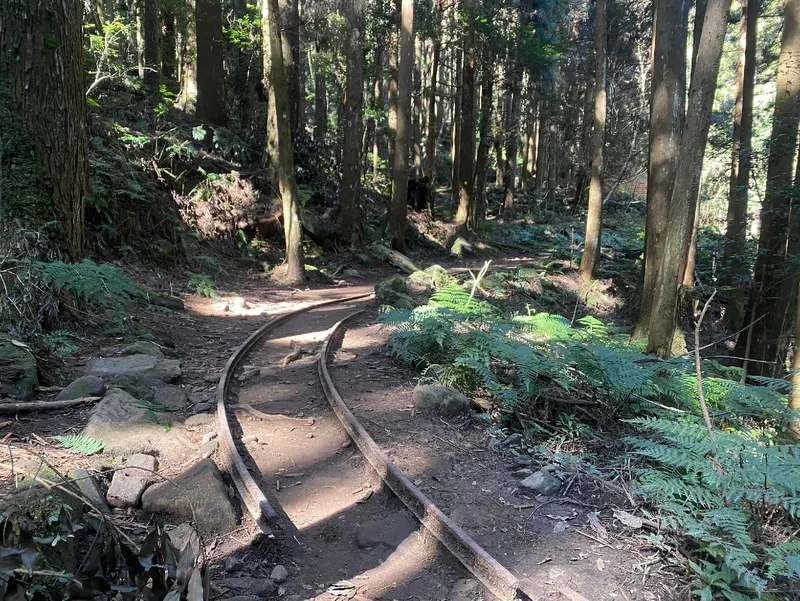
{"x": 391, "y": 100}
{"x": 320, "y": 99}
{"x": 350, "y": 208}
{"x": 287, "y": 184}
{"x": 667, "y": 98}
{"x": 687, "y": 178}
{"x": 188, "y": 96}
{"x": 396, "y": 226}
{"x": 152, "y": 34}
{"x": 794, "y": 401}
{"x": 485, "y": 133}
{"x": 210, "y": 71}
{"x": 466, "y": 154}
{"x": 377, "y": 100}
{"x": 512, "y": 146}
{"x": 776, "y": 205}
{"x": 41, "y": 48}
{"x": 594, "y": 218}
{"x": 168, "y": 48}
{"x": 735, "y": 269}
{"x": 289, "y": 22}
{"x": 431, "y": 129}
{"x": 455, "y": 149}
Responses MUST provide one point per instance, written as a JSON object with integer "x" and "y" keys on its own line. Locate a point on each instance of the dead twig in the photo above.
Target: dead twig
{"x": 697, "y": 364}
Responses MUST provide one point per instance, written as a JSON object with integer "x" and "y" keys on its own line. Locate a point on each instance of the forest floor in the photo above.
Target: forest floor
{"x": 571, "y": 540}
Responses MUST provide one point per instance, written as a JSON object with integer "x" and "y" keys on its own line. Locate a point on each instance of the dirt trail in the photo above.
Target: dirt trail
{"x": 339, "y": 523}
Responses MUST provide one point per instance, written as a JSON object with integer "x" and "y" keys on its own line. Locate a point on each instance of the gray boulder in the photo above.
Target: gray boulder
{"x": 167, "y": 370}
{"x": 279, "y": 574}
{"x": 18, "y": 377}
{"x": 438, "y": 399}
{"x": 84, "y": 386}
{"x": 201, "y": 487}
{"x": 126, "y": 426}
{"x": 170, "y": 396}
{"x": 143, "y": 347}
{"x": 142, "y": 387}
{"x": 128, "y": 484}
{"x": 542, "y": 482}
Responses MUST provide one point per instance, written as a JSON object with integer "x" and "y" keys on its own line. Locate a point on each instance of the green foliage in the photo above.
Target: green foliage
{"x": 89, "y": 283}
{"x": 59, "y": 343}
{"x": 202, "y": 285}
{"x": 734, "y": 494}
{"x": 85, "y": 445}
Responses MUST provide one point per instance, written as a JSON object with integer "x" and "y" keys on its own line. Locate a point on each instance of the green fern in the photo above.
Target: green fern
{"x": 89, "y": 282}
{"x": 85, "y": 445}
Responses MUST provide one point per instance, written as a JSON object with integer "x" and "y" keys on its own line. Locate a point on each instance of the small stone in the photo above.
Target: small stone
{"x": 521, "y": 473}
{"x": 90, "y": 489}
{"x": 523, "y": 460}
{"x": 85, "y": 386}
{"x": 208, "y": 449}
{"x": 249, "y": 438}
{"x": 128, "y": 484}
{"x": 346, "y": 444}
{"x": 233, "y": 564}
{"x": 212, "y": 378}
{"x": 209, "y": 436}
{"x": 279, "y": 574}
{"x": 463, "y": 590}
{"x": 310, "y": 435}
{"x": 439, "y": 399}
{"x": 202, "y": 407}
{"x": 143, "y": 347}
{"x": 170, "y": 396}
{"x": 311, "y": 421}
{"x": 542, "y": 482}
{"x": 199, "y": 419}
{"x": 502, "y": 443}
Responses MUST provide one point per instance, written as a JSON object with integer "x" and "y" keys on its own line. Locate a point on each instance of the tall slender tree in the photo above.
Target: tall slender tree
{"x": 289, "y": 21}
{"x": 735, "y": 269}
{"x": 683, "y": 197}
{"x": 594, "y": 219}
{"x": 210, "y": 71}
{"x": 152, "y": 34}
{"x": 767, "y": 300}
{"x": 350, "y": 207}
{"x": 431, "y": 131}
{"x": 188, "y": 96}
{"x": 667, "y": 102}
{"x": 485, "y": 138}
{"x": 396, "y": 223}
{"x": 287, "y": 184}
{"x": 466, "y": 154}
{"x": 41, "y": 49}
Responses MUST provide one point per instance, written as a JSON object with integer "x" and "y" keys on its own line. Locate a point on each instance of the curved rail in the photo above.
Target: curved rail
{"x": 252, "y": 496}
{"x": 483, "y": 566}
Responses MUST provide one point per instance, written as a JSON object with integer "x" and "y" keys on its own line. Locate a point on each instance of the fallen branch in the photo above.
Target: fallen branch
{"x": 11, "y": 407}
{"x": 697, "y": 363}
{"x": 397, "y": 259}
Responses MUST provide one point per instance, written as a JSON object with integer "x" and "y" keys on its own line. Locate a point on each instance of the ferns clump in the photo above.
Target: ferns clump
{"x": 90, "y": 283}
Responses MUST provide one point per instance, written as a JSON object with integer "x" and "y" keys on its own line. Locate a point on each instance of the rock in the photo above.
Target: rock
{"x": 233, "y": 564}
{"x": 128, "y": 484}
{"x": 143, "y": 347}
{"x": 260, "y": 587}
{"x": 202, "y": 407}
{"x": 184, "y": 535}
{"x": 90, "y": 489}
{"x": 522, "y": 472}
{"x": 279, "y": 574}
{"x": 352, "y": 273}
{"x": 199, "y": 419}
{"x": 395, "y": 292}
{"x": 390, "y": 531}
{"x": 433, "y": 277}
{"x": 18, "y": 376}
{"x": 207, "y": 449}
{"x": 170, "y": 396}
{"x": 542, "y": 482}
{"x": 82, "y": 387}
{"x": 126, "y": 426}
{"x": 209, "y": 436}
{"x": 212, "y": 378}
{"x": 167, "y": 370}
{"x": 249, "y": 438}
{"x": 523, "y": 460}
{"x": 502, "y": 443}
{"x": 461, "y": 248}
{"x": 206, "y": 492}
{"x": 465, "y": 589}
{"x": 142, "y": 387}
{"x": 444, "y": 401}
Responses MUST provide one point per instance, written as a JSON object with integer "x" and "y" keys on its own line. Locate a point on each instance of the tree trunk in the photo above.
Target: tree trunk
{"x": 455, "y": 149}
{"x": 151, "y": 33}
{"x": 431, "y": 130}
{"x": 416, "y": 113}
{"x": 391, "y": 100}
{"x": 293, "y": 231}
{"x": 188, "y": 96}
{"x": 377, "y": 100}
{"x": 320, "y": 100}
{"x": 735, "y": 269}
{"x": 466, "y": 153}
{"x": 485, "y": 133}
{"x": 41, "y": 49}
{"x": 396, "y": 226}
{"x": 350, "y": 208}
{"x": 512, "y": 146}
{"x": 667, "y": 97}
{"x": 687, "y": 178}
{"x": 210, "y": 71}
{"x": 794, "y": 401}
{"x": 289, "y": 22}
{"x": 594, "y": 218}
{"x": 169, "y": 50}
{"x": 775, "y": 208}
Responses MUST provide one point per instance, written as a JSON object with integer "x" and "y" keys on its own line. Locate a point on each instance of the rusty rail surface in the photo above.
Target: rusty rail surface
{"x": 483, "y": 566}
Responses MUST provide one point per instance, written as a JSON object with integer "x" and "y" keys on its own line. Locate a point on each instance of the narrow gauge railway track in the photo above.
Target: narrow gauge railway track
{"x": 329, "y": 498}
